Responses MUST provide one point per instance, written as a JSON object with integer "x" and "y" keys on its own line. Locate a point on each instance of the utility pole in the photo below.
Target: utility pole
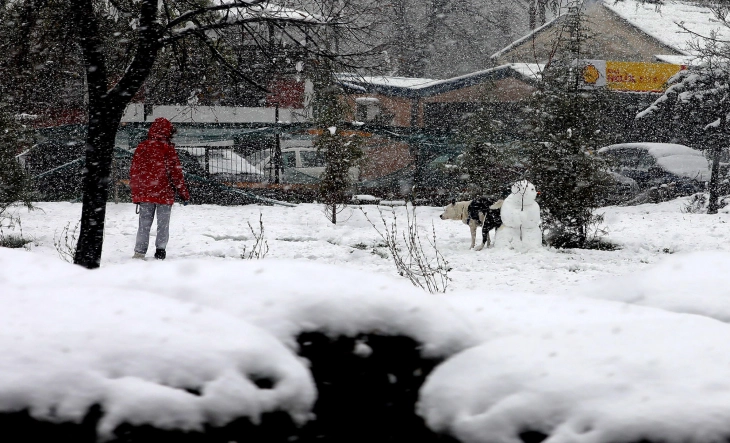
{"x": 277, "y": 147}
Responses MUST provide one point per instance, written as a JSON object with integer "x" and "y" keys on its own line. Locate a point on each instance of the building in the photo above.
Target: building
{"x": 435, "y": 104}
{"x": 627, "y": 30}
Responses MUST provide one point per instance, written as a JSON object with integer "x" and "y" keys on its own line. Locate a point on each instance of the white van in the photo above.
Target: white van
{"x": 303, "y": 159}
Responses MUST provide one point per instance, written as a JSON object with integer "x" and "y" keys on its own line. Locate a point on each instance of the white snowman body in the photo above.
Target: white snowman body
{"x": 520, "y": 214}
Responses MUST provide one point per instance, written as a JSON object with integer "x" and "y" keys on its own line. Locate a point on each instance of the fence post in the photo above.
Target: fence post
{"x": 277, "y": 148}
{"x": 207, "y": 160}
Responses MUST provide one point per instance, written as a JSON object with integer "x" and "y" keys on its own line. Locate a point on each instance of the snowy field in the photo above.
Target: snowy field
{"x": 645, "y": 233}
{"x": 583, "y": 346}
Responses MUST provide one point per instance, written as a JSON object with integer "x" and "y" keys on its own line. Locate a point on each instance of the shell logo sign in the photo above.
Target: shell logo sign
{"x": 639, "y": 77}
{"x": 627, "y": 76}
{"x": 591, "y": 75}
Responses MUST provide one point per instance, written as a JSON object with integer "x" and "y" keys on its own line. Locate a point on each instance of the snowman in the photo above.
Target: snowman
{"x": 520, "y": 214}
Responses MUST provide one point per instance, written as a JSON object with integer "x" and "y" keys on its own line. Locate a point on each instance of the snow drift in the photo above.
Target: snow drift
{"x": 144, "y": 358}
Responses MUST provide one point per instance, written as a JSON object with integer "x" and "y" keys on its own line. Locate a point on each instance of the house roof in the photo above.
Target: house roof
{"x": 664, "y": 23}
{"x": 527, "y": 37}
{"x": 425, "y": 87}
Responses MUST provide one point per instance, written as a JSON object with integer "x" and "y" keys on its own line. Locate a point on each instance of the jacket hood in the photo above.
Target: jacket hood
{"x": 161, "y": 129}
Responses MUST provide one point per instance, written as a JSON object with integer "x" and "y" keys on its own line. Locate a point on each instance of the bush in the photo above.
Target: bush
{"x": 572, "y": 180}
{"x": 14, "y": 183}
{"x": 13, "y": 241}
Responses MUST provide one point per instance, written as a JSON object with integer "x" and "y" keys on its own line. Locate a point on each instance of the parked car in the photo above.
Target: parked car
{"x": 299, "y": 164}
{"x": 222, "y": 163}
{"x": 640, "y": 167}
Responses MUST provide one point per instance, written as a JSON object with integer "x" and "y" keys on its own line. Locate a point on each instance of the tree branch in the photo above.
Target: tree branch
{"x": 228, "y": 23}
{"x": 249, "y": 5}
{"x": 710, "y": 37}
{"x": 119, "y": 6}
{"x": 229, "y": 66}
{"x": 145, "y": 53}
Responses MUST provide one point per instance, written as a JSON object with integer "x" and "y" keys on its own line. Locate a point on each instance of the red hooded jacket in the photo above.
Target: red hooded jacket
{"x": 156, "y": 172}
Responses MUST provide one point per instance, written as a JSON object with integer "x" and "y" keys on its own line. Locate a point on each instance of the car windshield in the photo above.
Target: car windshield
{"x": 311, "y": 159}
{"x": 289, "y": 159}
{"x": 632, "y": 159}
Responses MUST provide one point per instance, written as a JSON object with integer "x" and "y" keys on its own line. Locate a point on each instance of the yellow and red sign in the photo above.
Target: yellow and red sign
{"x": 639, "y": 77}
{"x": 626, "y": 76}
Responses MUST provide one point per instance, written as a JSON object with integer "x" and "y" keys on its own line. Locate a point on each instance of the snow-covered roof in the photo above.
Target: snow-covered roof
{"x": 274, "y": 11}
{"x": 685, "y": 60}
{"x": 425, "y": 87}
{"x": 663, "y": 22}
{"x": 678, "y": 159}
{"x": 389, "y": 81}
{"x": 530, "y": 70}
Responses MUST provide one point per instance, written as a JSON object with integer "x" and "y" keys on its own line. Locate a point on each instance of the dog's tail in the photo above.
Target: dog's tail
{"x": 497, "y": 204}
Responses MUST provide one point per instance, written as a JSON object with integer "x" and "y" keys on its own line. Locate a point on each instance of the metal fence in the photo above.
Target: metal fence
{"x": 225, "y": 164}
{"x": 298, "y": 163}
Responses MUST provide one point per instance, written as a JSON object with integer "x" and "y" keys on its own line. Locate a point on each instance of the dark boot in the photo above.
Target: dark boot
{"x": 160, "y": 254}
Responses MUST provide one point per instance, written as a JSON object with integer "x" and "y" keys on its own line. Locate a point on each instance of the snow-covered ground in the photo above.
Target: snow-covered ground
{"x": 647, "y": 234}
{"x": 584, "y": 346}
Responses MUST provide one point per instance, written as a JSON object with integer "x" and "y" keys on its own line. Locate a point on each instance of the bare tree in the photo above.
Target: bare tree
{"x": 444, "y": 38}
{"x": 119, "y": 42}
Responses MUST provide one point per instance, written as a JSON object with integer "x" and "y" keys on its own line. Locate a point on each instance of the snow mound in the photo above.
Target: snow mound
{"x": 287, "y": 298}
{"x": 503, "y": 314}
{"x": 69, "y": 344}
{"x": 661, "y": 379}
{"x": 695, "y": 283}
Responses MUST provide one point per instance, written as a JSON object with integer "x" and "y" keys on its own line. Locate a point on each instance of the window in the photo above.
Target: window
{"x": 361, "y": 113}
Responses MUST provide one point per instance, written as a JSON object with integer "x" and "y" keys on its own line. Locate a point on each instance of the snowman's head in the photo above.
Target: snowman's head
{"x": 525, "y": 191}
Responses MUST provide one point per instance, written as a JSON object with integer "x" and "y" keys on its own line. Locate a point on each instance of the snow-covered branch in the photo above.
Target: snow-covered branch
{"x": 188, "y": 15}
{"x": 235, "y": 15}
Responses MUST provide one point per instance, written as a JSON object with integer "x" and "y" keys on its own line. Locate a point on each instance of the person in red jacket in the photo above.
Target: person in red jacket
{"x": 154, "y": 177}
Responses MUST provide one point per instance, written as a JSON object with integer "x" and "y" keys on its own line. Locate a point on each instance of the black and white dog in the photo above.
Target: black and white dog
{"x": 482, "y": 211}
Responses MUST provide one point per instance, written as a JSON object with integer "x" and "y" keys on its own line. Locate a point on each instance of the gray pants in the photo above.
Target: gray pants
{"x": 146, "y": 214}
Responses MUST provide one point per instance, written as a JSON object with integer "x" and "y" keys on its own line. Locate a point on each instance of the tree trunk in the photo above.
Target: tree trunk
{"x": 99, "y": 154}
{"x": 713, "y": 205}
{"x": 105, "y": 111}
